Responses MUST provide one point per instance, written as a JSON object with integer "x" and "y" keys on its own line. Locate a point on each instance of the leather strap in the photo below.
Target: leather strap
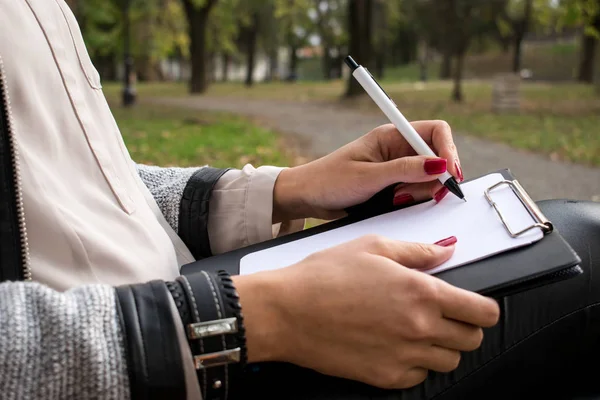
{"x": 155, "y": 363}
{"x": 193, "y": 210}
{"x": 214, "y": 304}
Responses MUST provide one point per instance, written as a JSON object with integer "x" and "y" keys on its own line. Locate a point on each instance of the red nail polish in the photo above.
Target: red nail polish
{"x": 459, "y": 171}
{"x": 435, "y": 166}
{"x": 401, "y": 199}
{"x": 440, "y": 194}
{"x": 447, "y": 242}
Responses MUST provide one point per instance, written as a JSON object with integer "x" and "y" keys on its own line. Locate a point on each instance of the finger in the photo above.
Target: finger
{"x": 407, "y": 194}
{"x": 457, "y": 335}
{"x": 408, "y": 170}
{"x": 439, "y": 135}
{"x": 412, "y": 255}
{"x": 439, "y": 359}
{"x": 469, "y": 307}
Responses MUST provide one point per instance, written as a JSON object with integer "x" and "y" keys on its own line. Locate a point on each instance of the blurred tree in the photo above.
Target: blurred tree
{"x": 360, "y": 27}
{"x": 330, "y": 19}
{"x": 387, "y": 18}
{"x": 586, "y": 14}
{"x": 223, "y": 33}
{"x": 157, "y": 30}
{"x": 197, "y": 12}
{"x": 518, "y": 15}
{"x": 518, "y": 18}
{"x": 451, "y": 25}
{"x": 296, "y": 27}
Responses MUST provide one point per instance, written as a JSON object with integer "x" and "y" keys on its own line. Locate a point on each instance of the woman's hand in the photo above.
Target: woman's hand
{"x": 354, "y": 173}
{"x": 364, "y": 311}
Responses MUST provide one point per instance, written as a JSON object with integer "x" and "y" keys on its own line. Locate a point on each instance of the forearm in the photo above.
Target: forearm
{"x": 61, "y": 345}
{"x": 215, "y": 210}
{"x": 93, "y": 341}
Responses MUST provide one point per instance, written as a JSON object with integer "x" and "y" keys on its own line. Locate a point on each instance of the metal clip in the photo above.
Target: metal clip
{"x": 541, "y": 221}
{"x": 212, "y": 328}
{"x": 217, "y": 359}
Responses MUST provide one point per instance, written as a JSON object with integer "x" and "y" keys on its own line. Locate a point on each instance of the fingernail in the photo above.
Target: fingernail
{"x": 449, "y": 241}
{"x": 440, "y": 194}
{"x": 435, "y": 166}
{"x": 401, "y": 199}
{"x": 459, "y": 171}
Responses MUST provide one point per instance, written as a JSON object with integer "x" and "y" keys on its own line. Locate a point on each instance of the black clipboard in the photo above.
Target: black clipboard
{"x": 549, "y": 260}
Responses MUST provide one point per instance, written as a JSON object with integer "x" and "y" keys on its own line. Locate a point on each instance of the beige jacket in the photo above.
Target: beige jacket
{"x": 89, "y": 216}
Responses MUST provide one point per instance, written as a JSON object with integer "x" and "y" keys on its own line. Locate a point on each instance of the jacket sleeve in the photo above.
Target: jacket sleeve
{"x": 93, "y": 341}
{"x": 60, "y": 345}
{"x": 217, "y": 210}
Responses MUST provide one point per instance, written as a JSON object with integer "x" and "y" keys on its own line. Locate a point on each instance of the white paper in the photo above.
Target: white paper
{"x": 476, "y": 225}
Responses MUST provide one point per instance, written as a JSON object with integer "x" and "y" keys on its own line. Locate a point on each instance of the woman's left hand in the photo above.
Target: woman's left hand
{"x": 353, "y": 174}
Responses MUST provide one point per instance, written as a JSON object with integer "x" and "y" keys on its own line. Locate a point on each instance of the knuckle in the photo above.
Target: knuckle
{"x": 444, "y": 125}
{"x": 404, "y": 167}
{"x": 428, "y": 291}
{"x": 425, "y": 250}
{"x": 376, "y": 243}
{"x": 420, "y": 328}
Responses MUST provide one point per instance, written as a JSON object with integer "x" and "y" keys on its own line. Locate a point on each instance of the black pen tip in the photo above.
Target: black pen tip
{"x": 351, "y": 63}
{"x": 454, "y": 187}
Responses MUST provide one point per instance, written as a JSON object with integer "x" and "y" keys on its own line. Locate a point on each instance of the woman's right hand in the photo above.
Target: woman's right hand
{"x": 364, "y": 311}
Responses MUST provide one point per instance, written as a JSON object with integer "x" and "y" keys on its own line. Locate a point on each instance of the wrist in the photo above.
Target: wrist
{"x": 266, "y": 332}
{"x": 288, "y": 196}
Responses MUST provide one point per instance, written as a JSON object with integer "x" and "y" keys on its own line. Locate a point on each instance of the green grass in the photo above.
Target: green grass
{"x": 560, "y": 120}
{"x": 165, "y": 136}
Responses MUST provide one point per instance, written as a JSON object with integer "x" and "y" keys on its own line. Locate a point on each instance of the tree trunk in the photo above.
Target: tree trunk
{"x": 251, "y": 34}
{"x": 225, "y": 67}
{"x": 197, "y": 23}
{"x": 359, "y": 17}
{"x": 588, "y": 55}
{"x": 446, "y": 66}
{"x": 457, "y": 92}
{"x": 293, "y": 72}
{"x": 326, "y": 63}
{"x": 517, "y": 53}
{"x": 520, "y": 32}
{"x": 273, "y": 63}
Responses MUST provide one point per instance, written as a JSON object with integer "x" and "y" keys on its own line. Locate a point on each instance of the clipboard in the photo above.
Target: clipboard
{"x": 548, "y": 260}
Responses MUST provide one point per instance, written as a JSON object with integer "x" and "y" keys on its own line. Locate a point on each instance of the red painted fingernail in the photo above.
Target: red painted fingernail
{"x": 435, "y": 166}
{"x": 440, "y": 194}
{"x": 401, "y": 199}
{"x": 459, "y": 171}
{"x": 449, "y": 241}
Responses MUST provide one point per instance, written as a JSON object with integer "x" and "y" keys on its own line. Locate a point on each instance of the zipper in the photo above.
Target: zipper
{"x": 16, "y": 175}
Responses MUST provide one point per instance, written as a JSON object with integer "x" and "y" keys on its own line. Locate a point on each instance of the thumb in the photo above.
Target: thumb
{"x": 410, "y": 169}
{"x": 420, "y": 256}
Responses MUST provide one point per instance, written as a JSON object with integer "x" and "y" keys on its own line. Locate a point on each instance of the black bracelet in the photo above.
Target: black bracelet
{"x": 209, "y": 307}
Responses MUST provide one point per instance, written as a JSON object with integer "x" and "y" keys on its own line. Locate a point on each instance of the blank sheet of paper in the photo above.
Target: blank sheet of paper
{"x": 476, "y": 225}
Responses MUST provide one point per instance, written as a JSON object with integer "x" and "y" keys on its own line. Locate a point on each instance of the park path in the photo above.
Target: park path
{"x": 324, "y": 127}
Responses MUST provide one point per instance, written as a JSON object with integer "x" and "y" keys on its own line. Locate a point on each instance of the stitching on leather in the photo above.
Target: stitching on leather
{"x": 197, "y": 314}
{"x": 511, "y": 348}
{"x": 217, "y": 306}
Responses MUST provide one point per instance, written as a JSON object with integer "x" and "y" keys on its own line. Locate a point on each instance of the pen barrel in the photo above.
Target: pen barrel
{"x": 391, "y": 111}
{"x": 389, "y": 108}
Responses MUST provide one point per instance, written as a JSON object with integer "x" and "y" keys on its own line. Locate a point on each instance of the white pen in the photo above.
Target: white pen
{"x": 389, "y": 108}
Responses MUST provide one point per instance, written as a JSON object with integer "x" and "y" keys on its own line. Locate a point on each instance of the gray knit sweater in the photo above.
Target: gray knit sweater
{"x": 69, "y": 345}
